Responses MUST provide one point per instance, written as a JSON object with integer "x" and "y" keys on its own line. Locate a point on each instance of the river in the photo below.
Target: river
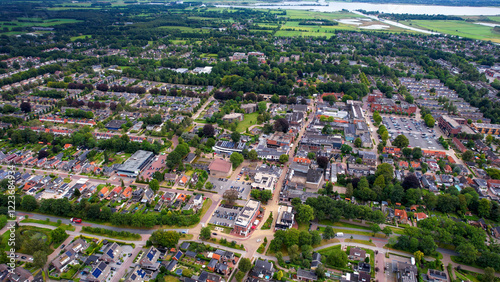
{"x": 386, "y": 8}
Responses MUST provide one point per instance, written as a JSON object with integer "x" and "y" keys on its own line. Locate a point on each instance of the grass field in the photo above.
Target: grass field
{"x": 299, "y": 14}
{"x": 51, "y": 223}
{"x": 249, "y": 120}
{"x": 364, "y": 242}
{"x": 459, "y": 28}
{"x": 80, "y": 37}
{"x": 184, "y": 28}
{"x": 36, "y": 22}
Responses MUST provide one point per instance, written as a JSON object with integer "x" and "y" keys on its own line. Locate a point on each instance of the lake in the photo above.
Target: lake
{"x": 386, "y": 8}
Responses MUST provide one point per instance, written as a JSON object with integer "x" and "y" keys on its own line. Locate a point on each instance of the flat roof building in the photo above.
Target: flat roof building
{"x": 135, "y": 164}
{"x": 246, "y": 217}
{"x": 485, "y": 128}
{"x": 449, "y": 125}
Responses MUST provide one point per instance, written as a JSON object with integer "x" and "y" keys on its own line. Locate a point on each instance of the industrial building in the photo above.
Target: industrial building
{"x": 135, "y": 164}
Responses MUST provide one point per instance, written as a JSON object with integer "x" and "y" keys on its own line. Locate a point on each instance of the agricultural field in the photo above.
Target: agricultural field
{"x": 459, "y": 28}
{"x": 29, "y": 22}
{"x": 311, "y": 15}
{"x": 80, "y": 37}
{"x": 185, "y": 29}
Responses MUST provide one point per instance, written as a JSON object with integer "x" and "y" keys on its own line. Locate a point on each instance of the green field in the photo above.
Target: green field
{"x": 185, "y": 28}
{"x": 459, "y": 28}
{"x": 249, "y": 120}
{"x": 29, "y": 22}
{"x": 80, "y": 37}
{"x": 299, "y": 14}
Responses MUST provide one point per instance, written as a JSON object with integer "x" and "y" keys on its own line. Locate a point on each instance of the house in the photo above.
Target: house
{"x": 70, "y": 253}
{"x": 183, "y": 180}
{"x": 364, "y": 267}
{"x": 306, "y": 275}
{"x": 401, "y": 216}
{"x": 212, "y": 264}
{"x": 178, "y": 255}
{"x": 433, "y": 275}
{"x": 420, "y": 216}
{"x": 149, "y": 261}
{"x": 136, "y": 275}
{"x": 99, "y": 273}
{"x": 185, "y": 246}
{"x": 405, "y": 272}
{"x": 316, "y": 261}
{"x": 357, "y": 254}
{"x": 314, "y": 178}
{"x": 198, "y": 200}
{"x": 171, "y": 265}
{"x": 111, "y": 252}
{"x": 262, "y": 270}
{"x": 496, "y": 232}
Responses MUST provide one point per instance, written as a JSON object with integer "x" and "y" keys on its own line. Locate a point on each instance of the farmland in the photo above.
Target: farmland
{"x": 459, "y": 28}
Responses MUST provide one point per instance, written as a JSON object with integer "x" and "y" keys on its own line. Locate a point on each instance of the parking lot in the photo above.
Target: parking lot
{"x": 416, "y": 131}
{"x": 222, "y": 184}
{"x": 157, "y": 165}
{"x": 225, "y": 216}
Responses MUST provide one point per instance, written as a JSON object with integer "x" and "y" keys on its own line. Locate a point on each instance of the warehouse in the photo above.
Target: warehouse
{"x": 135, "y": 164}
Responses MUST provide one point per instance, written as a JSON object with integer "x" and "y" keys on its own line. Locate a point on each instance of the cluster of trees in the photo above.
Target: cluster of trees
{"x": 52, "y": 93}
{"x": 177, "y": 155}
{"x": 429, "y": 120}
{"x": 328, "y": 208}
{"x": 163, "y": 238}
{"x": 261, "y": 195}
{"x": 77, "y": 113}
{"x": 112, "y": 233}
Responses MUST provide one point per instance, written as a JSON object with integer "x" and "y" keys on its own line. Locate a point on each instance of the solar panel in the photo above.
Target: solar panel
{"x": 96, "y": 273}
{"x": 150, "y": 255}
{"x": 68, "y": 253}
{"x": 110, "y": 253}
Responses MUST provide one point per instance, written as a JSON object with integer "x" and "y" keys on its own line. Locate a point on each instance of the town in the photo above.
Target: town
{"x": 200, "y": 144}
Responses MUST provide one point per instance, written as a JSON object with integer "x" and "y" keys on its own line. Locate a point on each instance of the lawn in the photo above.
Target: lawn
{"x": 364, "y": 242}
{"x": 344, "y": 224}
{"x": 459, "y": 28}
{"x": 51, "y": 223}
{"x": 169, "y": 278}
{"x": 249, "y": 120}
{"x": 80, "y": 37}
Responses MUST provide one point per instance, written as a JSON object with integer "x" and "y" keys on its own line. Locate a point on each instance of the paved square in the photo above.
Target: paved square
{"x": 417, "y": 133}
{"x": 225, "y": 216}
{"x": 222, "y": 184}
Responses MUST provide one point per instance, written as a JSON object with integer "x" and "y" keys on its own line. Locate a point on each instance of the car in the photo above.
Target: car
{"x": 23, "y": 257}
{"x": 113, "y": 268}
{"x": 130, "y": 254}
{"x": 119, "y": 263}
{"x": 258, "y": 240}
{"x": 62, "y": 246}
{"x": 215, "y": 234}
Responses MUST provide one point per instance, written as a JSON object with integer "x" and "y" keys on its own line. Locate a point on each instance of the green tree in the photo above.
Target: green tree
{"x": 358, "y": 143}
{"x": 252, "y": 155}
{"x": 387, "y": 231}
{"x": 245, "y": 265}
{"x": 337, "y": 258}
{"x": 467, "y": 155}
{"x": 401, "y": 141}
{"x": 205, "y": 233}
{"x": 236, "y": 159}
{"x": 29, "y": 203}
{"x": 484, "y": 208}
{"x": 39, "y": 259}
{"x": 58, "y": 235}
{"x": 154, "y": 185}
{"x": 328, "y": 233}
{"x": 375, "y": 228}
{"x": 386, "y": 170}
{"x": 417, "y": 153}
{"x": 489, "y": 275}
{"x": 379, "y": 181}
{"x": 168, "y": 239}
{"x": 467, "y": 251}
{"x": 346, "y": 149}
{"x": 235, "y": 136}
{"x": 283, "y": 158}
{"x": 305, "y": 213}
{"x": 429, "y": 120}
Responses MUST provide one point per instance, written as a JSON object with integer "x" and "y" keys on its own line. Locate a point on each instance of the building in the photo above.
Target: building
{"x": 314, "y": 178}
{"x": 249, "y": 108}
{"x": 71, "y": 252}
{"x": 219, "y": 168}
{"x": 401, "y": 216}
{"x": 264, "y": 181}
{"x": 460, "y": 146}
{"x": 99, "y": 273}
{"x": 384, "y": 105}
{"x": 449, "y": 125}
{"x": 357, "y": 254}
{"x": 149, "y": 261}
{"x": 111, "y": 252}
{"x": 486, "y": 128}
{"x": 405, "y": 272}
{"x": 228, "y": 147}
{"x": 285, "y": 218}
{"x": 244, "y": 220}
{"x": 433, "y": 275}
{"x": 137, "y": 275}
{"x": 115, "y": 124}
{"x": 263, "y": 270}
{"x": 233, "y": 117}
{"x": 135, "y": 164}
{"x": 306, "y": 275}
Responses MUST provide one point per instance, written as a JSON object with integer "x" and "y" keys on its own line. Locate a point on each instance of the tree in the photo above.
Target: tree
{"x": 29, "y": 203}
{"x": 345, "y": 149}
{"x": 283, "y": 158}
{"x": 279, "y": 275}
{"x": 235, "y": 136}
{"x": 208, "y": 131}
{"x": 337, "y": 258}
{"x": 26, "y": 107}
{"x": 329, "y": 188}
{"x": 236, "y": 159}
{"x": 489, "y": 275}
{"x": 418, "y": 256}
{"x": 489, "y": 139}
{"x": 401, "y": 142}
{"x": 467, "y": 155}
{"x": 429, "y": 120}
{"x": 411, "y": 181}
{"x": 311, "y": 155}
{"x": 305, "y": 213}
{"x": 58, "y": 235}
{"x": 386, "y": 170}
{"x": 328, "y": 233}
{"x": 154, "y": 185}
{"x": 375, "y": 228}
{"x": 320, "y": 271}
{"x": 322, "y": 162}
{"x": 417, "y": 153}
{"x": 205, "y": 233}
{"x": 252, "y": 155}
{"x": 262, "y": 105}
{"x": 245, "y": 265}
{"x": 484, "y": 208}
{"x": 282, "y": 125}
{"x": 39, "y": 259}
{"x": 168, "y": 239}
{"x": 358, "y": 143}
{"x": 379, "y": 181}
{"x": 387, "y": 231}
{"x": 230, "y": 196}
{"x": 467, "y": 251}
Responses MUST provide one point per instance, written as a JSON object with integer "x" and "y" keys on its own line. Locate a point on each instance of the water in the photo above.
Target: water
{"x": 386, "y": 8}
